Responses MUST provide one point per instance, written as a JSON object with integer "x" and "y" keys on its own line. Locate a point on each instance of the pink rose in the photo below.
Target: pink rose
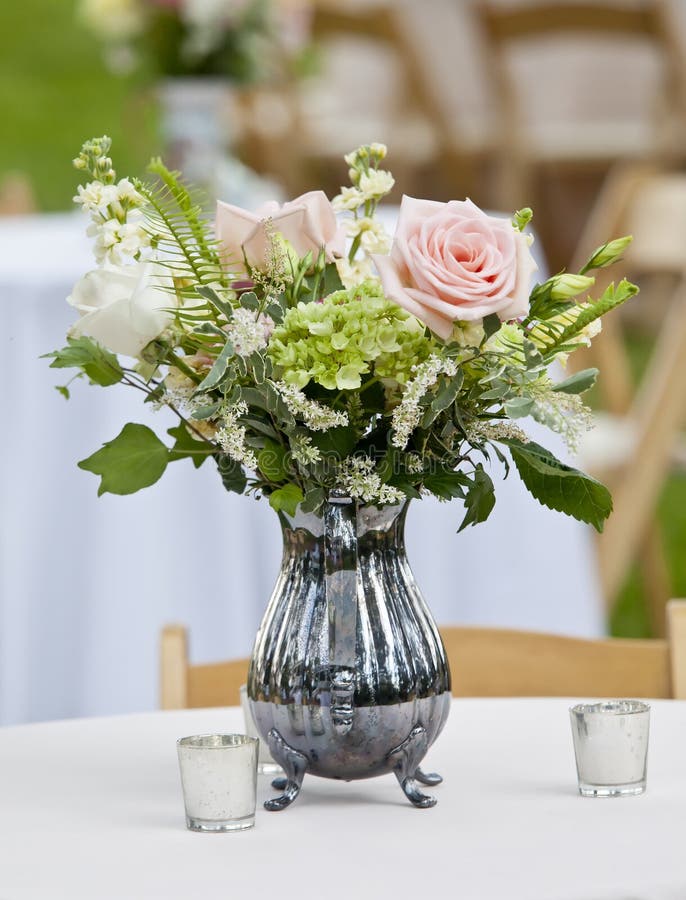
{"x": 452, "y": 262}
{"x": 307, "y": 223}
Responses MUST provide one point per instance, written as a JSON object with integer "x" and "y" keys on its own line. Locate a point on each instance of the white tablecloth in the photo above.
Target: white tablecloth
{"x": 86, "y": 583}
{"x": 92, "y": 810}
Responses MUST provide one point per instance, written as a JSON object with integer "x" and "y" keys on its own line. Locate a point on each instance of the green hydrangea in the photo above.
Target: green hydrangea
{"x": 349, "y": 334}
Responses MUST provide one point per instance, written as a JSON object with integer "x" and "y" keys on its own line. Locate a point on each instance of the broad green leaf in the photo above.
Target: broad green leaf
{"x": 232, "y": 474}
{"x": 337, "y": 442}
{"x": 332, "y": 280}
{"x": 101, "y": 366}
{"x": 491, "y": 324}
{"x": 577, "y": 383}
{"x": 446, "y": 484}
{"x": 286, "y": 498}
{"x": 445, "y": 398}
{"x": 206, "y": 412}
{"x": 272, "y": 462}
{"x": 188, "y": 447}
{"x": 559, "y": 486}
{"x": 218, "y": 370}
{"x": 135, "y": 459}
{"x": 479, "y": 500}
{"x": 63, "y": 389}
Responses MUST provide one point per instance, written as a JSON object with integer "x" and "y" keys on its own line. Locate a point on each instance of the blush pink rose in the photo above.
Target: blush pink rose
{"x": 307, "y": 223}
{"x": 452, "y": 262}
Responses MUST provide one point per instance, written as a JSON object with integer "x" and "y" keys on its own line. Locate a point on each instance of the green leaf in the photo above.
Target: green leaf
{"x": 445, "y": 398}
{"x": 332, "y": 280}
{"x": 63, "y": 389}
{"x": 135, "y": 459}
{"x": 218, "y": 370}
{"x": 559, "y": 486}
{"x": 286, "y": 498}
{"x": 518, "y": 407}
{"x": 272, "y": 462}
{"x": 213, "y": 298}
{"x": 336, "y": 442}
{"x": 249, "y": 301}
{"x": 522, "y": 218}
{"x": 101, "y": 366}
{"x": 480, "y": 499}
{"x": 314, "y": 498}
{"x": 188, "y": 447}
{"x": 577, "y": 383}
{"x": 232, "y": 474}
{"x": 491, "y": 324}
{"x": 446, "y": 484}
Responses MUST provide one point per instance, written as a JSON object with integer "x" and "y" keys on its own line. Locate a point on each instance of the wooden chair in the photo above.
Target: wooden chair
{"x": 485, "y": 662}
{"x": 578, "y": 145}
{"x": 638, "y": 432}
{"x": 186, "y": 686}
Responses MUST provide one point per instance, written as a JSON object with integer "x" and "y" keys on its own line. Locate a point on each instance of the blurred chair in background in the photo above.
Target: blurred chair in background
{"x": 373, "y": 86}
{"x": 484, "y": 662}
{"x": 16, "y": 195}
{"x": 635, "y": 442}
{"x": 624, "y": 96}
{"x": 185, "y": 686}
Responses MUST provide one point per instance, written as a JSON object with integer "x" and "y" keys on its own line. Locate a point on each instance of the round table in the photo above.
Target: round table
{"x": 92, "y": 808}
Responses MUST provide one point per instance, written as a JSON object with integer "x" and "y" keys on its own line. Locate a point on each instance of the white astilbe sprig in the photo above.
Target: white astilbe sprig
{"x": 566, "y": 414}
{"x": 315, "y": 415}
{"x": 478, "y": 432}
{"x": 359, "y": 480}
{"x": 231, "y": 435}
{"x": 407, "y": 415}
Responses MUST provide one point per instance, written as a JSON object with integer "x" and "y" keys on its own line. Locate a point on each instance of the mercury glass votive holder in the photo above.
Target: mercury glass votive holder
{"x": 611, "y": 747}
{"x": 266, "y": 764}
{"x": 219, "y": 780}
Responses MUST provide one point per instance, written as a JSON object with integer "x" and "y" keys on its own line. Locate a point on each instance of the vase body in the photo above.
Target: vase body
{"x": 348, "y": 663}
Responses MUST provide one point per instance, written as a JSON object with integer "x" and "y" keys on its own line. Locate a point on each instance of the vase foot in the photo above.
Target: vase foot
{"x": 428, "y": 777}
{"x": 294, "y": 765}
{"x": 405, "y": 761}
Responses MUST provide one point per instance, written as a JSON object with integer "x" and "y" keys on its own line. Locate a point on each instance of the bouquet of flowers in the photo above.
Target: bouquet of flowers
{"x": 306, "y": 353}
{"x": 229, "y": 38}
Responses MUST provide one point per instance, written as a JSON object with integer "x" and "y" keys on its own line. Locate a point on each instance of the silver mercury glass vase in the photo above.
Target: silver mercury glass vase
{"x": 348, "y": 678}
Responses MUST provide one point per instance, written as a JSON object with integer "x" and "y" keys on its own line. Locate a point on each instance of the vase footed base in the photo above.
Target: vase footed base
{"x": 404, "y": 761}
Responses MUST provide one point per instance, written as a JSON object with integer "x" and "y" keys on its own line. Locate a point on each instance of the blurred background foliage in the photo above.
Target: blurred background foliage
{"x": 55, "y": 92}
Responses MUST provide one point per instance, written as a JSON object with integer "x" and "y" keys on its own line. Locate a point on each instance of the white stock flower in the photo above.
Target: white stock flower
{"x": 372, "y": 234}
{"x": 350, "y": 198}
{"x": 354, "y": 273}
{"x": 127, "y": 193}
{"x": 376, "y": 183}
{"x": 123, "y": 308}
{"x": 95, "y": 197}
{"x": 117, "y": 242}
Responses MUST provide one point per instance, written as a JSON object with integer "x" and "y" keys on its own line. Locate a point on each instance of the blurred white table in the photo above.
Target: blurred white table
{"x": 93, "y": 809}
{"x": 86, "y": 583}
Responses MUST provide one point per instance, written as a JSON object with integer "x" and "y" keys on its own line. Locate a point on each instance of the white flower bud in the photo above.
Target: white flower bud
{"x": 568, "y": 285}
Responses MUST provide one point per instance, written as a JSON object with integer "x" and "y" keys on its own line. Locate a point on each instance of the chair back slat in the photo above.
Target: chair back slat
{"x": 534, "y": 20}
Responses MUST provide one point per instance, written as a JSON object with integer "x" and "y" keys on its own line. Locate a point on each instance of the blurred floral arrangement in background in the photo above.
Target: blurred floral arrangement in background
{"x": 300, "y": 369}
{"x": 240, "y": 40}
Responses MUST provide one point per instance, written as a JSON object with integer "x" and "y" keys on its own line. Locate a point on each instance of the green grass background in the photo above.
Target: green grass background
{"x": 55, "y": 93}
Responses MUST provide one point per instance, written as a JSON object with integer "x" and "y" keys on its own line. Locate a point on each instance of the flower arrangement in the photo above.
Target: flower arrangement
{"x": 229, "y": 38}
{"x": 300, "y": 370}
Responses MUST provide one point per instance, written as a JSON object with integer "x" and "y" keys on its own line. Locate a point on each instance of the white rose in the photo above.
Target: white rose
{"x": 123, "y": 308}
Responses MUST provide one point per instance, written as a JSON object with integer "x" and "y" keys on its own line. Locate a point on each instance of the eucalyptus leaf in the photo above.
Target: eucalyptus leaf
{"x": 577, "y": 383}
{"x": 133, "y": 460}
{"x": 249, "y": 301}
{"x": 218, "y": 370}
{"x": 213, "y": 298}
{"x": 518, "y": 407}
